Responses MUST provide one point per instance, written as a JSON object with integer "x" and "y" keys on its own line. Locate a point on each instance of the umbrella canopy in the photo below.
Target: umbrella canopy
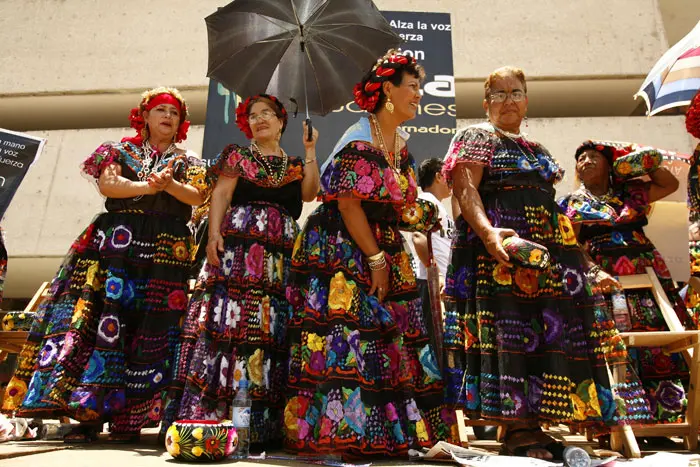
{"x": 312, "y": 51}
{"x": 675, "y": 78}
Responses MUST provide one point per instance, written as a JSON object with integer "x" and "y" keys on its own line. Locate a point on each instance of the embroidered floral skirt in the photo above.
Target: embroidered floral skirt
{"x": 523, "y": 344}
{"x": 663, "y": 376}
{"x": 363, "y": 377}
{"x": 692, "y": 299}
{"x": 102, "y": 346}
{"x": 237, "y": 322}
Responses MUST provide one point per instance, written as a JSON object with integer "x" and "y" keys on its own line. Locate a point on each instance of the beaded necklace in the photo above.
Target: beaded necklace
{"x": 275, "y": 178}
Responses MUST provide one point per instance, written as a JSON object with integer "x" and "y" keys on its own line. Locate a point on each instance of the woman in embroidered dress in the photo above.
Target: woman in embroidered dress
{"x": 692, "y": 125}
{"x": 523, "y": 345}
{"x": 103, "y": 343}
{"x": 609, "y": 216}
{"x": 237, "y": 321}
{"x": 363, "y": 377}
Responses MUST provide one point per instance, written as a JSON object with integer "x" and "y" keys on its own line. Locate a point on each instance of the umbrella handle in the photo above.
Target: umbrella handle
{"x": 309, "y": 129}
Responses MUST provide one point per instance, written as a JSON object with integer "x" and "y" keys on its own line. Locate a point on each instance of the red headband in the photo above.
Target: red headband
{"x": 164, "y": 98}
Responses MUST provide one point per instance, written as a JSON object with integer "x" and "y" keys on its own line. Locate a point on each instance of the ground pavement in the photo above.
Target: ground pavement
{"x": 149, "y": 453}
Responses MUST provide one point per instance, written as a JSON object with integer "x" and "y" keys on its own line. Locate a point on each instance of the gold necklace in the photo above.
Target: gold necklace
{"x": 396, "y": 164}
{"x": 274, "y": 178}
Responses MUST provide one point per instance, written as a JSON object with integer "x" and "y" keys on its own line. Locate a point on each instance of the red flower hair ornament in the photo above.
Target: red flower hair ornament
{"x": 367, "y": 91}
{"x": 692, "y": 117}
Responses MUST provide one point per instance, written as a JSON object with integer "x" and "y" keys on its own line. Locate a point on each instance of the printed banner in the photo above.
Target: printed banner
{"x": 18, "y": 151}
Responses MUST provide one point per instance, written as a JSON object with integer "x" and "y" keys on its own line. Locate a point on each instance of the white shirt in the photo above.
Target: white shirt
{"x": 442, "y": 240}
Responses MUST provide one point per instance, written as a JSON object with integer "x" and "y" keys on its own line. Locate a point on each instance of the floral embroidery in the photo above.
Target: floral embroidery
{"x": 501, "y": 274}
{"x": 341, "y": 293}
{"x": 526, "y": 280}
{"x": 567, "y": 231}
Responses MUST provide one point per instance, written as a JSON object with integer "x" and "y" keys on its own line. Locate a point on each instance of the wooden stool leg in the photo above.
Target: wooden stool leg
{"x": 616, "y": 439}
{"x": 691, "y": 413}
{"x": 589, "y": 435}
{"x": 462, "y": 427}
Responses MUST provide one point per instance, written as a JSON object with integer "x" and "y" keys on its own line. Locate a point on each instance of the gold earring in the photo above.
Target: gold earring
{"x": 389, "y": 105}
{"x": 144, "y": 133}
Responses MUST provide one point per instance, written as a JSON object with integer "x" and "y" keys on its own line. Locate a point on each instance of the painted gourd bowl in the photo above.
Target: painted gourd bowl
{"x": 526, "y": 252}
{"x": 201, "y": 440}
{"x": 637, "y": 163}
{"x": 17, "y": 321}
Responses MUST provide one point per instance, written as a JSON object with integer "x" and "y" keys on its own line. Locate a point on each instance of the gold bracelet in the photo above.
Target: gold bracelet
{"x": 376, "y": 257}
{"x": 309, "y": 161}
{"x": 378, "y": 264}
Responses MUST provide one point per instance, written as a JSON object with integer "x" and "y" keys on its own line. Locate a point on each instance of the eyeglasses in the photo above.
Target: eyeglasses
{"x": 265, "y": 115}
{"x": 501, "y": 96}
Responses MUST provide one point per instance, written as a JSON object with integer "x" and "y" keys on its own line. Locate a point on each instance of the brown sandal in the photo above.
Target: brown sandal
{"x": 519, "y": 442}
{"x": 81, "y": 434}
{"x": 124, "y": 438}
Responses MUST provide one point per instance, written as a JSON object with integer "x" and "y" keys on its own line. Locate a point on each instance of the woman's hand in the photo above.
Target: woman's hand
{"x": 493, "y": 241}
{"x": 380, "y": 282}
{"x": 161, "y": 179}
{"x": 314, "y": 137}
{"x": 606, "y": 282}
{"x": 694, "y": 231}
{"x": 215, "y": 245}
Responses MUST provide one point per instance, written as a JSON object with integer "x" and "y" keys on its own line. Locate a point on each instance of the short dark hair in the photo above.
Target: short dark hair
{"x": 427, "y": 171}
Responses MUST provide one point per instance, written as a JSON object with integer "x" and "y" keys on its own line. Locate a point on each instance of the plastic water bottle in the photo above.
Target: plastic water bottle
{"x": 576, "y": 457}
{"x": 240, "y": 415}
{"x": 621, "y": 313}
{"x": 56, "y": 431}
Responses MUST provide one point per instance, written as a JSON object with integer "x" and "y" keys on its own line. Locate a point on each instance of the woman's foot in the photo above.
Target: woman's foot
{"x": 531, "y": 442}
{"x": 81, "y": 434}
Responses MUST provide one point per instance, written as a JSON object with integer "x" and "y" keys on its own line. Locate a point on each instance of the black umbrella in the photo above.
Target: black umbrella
{"x": 310, "y": 50}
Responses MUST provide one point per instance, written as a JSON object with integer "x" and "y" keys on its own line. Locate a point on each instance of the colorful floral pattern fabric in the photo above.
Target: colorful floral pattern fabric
{"x": 694, "y": 186}
{"x": 188, "y": 169}
{"x": 521, "y": 157}
{"x": 363, "y": 376}
{"x": 612, "y": 231}
{"x": 522, "y": 343}
{"x": 103, "y": 343}
{"x": 692, "y": 300}
{"x": 237, "y": 321}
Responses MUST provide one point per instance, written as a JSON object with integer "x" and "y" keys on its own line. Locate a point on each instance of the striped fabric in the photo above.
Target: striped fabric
{"x": 675, "y": 78}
